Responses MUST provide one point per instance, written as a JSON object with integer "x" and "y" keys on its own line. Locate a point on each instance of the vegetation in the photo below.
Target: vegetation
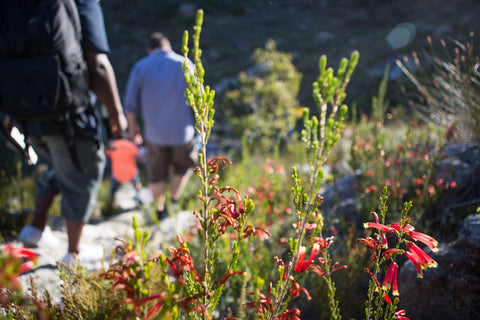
{"x": 245, "y": 260}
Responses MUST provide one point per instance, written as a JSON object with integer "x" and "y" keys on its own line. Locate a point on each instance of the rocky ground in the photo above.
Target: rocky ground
{"x": 98, "y": 240}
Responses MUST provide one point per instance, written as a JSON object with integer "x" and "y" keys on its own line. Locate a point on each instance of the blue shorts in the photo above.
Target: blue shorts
{"x": 79, "y": 190}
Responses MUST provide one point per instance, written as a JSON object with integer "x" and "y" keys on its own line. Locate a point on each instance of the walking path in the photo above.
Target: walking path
{"x": 98, "y": 241}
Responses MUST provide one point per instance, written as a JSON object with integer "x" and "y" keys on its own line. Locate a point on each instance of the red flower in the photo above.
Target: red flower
{"x": 290, "y": 314}
{"x": 418, "y": 181}
{"x": 379, "y": 226}
{"x": 423, "y": 259}
{"x": 425, "y": 239}
{"x": 268, "y": 169}
{"x": 391, "y": 279}
{"x": 399, "y": 315}
{"x": 302, "y": 265}
{"x": 296, "y": 289}
{"x": 414, "y": 260}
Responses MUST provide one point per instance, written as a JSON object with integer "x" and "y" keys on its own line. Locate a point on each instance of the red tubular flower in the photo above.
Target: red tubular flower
{"x": 423, "y": 259}
{"x": 302, "y": 265}
{"x": 379, "y": 226}
{"x": 290, "y": 314}
{"x": 425, "y": 239}
{"x": 296, "y": 289}
{"x": 399, "y": 315}
{"x": 24, "y": 267}
{"x": 391, "y": 279}
{"x": 413, "y": 258}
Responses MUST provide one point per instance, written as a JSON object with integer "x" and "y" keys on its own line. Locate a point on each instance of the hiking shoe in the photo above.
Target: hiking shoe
{"x": 162, "y": 214}
{"x": 33, "y": 237}
{"x": 70, "y": 259}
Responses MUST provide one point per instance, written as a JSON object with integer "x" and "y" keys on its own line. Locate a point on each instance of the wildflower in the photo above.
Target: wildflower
{"x": 259, "y": 232}
{"x": 452, "y": 185}
{"x": 371, "y": 188}
{"x": 418, "y": 181}
{"x": 399, "y": 315}
{"x": 317, "y": 269}
{"x": 290, "y": 314}
{"x": 414, "y": 260}
{"x": 387, "y": 298}
{"x": 391, "y": 279}
{"x": 423, "y": 259}
{"x": 302, "y": 265}
{"x": 423, "y": 238}
{"x": 379, "y": 226}
{"x": 261, "y": 304}
{"x": 296, "y": 289}
{"x": 228, "y": 274}
{"x": 268, "y": 169}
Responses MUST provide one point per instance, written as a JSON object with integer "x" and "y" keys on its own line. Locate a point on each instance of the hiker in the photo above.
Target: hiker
{"x": 77, "y": 174}
{"x": 156, "y": 90}
{"x": 123, "y": 155}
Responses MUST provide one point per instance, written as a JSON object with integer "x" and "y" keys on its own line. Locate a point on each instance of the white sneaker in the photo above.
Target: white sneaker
{"x": 30, "y": 236}
{"x": 89, "y": 254}
{"x": 33, "y": 237}
{"x": 69, "y": 259}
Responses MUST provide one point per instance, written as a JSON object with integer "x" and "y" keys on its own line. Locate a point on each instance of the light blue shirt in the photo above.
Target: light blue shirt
{"x": 156, "y": 90}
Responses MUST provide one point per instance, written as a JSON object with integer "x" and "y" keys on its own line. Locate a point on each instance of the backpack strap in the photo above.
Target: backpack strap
{"x": 72, "y": 11}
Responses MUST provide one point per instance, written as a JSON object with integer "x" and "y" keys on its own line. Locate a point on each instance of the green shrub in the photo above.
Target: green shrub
{"x": 264, "y": 108}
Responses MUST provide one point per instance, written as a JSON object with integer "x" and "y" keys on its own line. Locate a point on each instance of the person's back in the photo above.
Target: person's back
{"x": 157, "y": 86}
{"x": 156, "y": 89}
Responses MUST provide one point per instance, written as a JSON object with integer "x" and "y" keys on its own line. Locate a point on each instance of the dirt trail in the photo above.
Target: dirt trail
{"x": 98, "y": 241}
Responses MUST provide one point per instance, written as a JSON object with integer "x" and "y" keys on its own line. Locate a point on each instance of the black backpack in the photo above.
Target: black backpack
{"x": 43, "y": 72}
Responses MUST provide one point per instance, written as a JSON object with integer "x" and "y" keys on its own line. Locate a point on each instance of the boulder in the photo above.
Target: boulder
{"x": 452, "y": 290}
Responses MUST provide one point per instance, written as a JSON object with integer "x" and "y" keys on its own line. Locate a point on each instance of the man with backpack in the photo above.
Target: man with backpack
{"x": 69, "y": 139}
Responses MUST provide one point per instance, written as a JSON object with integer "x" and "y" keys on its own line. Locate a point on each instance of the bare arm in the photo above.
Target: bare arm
{"x": 135, "y": 133}
{"x": 104, "y": 84}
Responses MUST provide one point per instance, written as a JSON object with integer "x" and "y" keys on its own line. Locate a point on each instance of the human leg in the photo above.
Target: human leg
{"x": 158, "y": 190}
{"x": 157, "y": 171}
{"x": 47, "y": 189}
{"x": 40, "y": 213}
{"x": 113, "y": 189}
{"x": 79, "y": 189}
{"x": 74, "y": 231}
{"x": 184, "y": 159}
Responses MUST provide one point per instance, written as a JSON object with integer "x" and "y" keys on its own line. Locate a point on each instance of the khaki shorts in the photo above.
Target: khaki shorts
{"x": 160, "y": 159}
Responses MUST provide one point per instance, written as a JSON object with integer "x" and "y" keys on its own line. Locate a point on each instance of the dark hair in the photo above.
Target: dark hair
{"x": 158, "y": 40}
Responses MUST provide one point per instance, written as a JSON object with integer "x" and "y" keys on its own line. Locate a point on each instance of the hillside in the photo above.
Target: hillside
{"x": 305, "y": 28}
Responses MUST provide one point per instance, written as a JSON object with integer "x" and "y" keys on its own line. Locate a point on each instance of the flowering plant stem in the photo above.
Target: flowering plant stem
{"x": 319, "y": 137}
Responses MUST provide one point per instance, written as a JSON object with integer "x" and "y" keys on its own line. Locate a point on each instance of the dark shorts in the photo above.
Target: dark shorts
{"x": 180, "y": 158}
{"x": 79, "y": 190}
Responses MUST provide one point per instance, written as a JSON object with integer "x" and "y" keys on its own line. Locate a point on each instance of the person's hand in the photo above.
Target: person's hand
{"x": 118, "y": 125}
{"x": 136, "y": 137}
